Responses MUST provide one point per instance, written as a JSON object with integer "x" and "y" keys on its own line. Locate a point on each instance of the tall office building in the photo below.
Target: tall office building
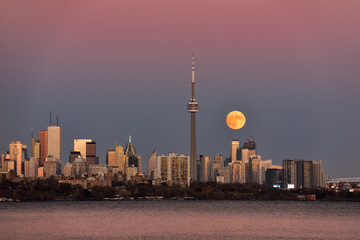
{"x": 43, "y": 139}
{"x": 120, "y": 158}
{"x": 151, "y": 167}
{"x": 110, "y": 157}
{"x": 54, "y": 141}
{"x": 235, "y": 150}
{"x": 193, "y": 107}
{"x": 80, "y": 146}
{"x": 91, "y": 157}
{"x": 131, "y": 159}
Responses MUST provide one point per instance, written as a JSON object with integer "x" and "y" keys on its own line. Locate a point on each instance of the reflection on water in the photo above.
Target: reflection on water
{"x": 180, "y": 220}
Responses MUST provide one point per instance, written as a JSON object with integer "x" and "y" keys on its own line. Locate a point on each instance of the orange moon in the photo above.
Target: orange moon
{"x": 235, "y": 120}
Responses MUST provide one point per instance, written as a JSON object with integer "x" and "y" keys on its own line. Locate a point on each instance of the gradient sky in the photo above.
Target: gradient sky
{"x": 114, "y": 68}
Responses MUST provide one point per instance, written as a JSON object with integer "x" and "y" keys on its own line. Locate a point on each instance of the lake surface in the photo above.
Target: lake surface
{"x": 180, "y": 220}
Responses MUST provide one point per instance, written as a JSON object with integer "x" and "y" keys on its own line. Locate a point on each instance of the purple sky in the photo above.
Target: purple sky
{"x": 114, "y": 68}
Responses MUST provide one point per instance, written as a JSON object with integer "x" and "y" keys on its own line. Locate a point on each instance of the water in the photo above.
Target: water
{"x": 180, "y": 220}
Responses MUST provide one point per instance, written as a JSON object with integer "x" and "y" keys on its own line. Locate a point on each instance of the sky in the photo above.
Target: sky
{"x": 117, "y": 68}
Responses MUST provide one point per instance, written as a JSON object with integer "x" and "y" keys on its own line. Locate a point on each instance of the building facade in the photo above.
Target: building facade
{"x": 300, "y": 174}
{"x": 173, "y": 169}
{"x": 43, "y": 139}
{"x": 151, "y": 167}
{"x": 235, "y": 151}
{"x": 54, "y": 141}
{"x": 80, "y": 146}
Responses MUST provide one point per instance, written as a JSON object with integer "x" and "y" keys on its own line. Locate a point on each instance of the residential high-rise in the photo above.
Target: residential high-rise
{"x": 79, "y": 167}
{"x": 80, "y": 146}
{"x": 236, "y": 171}
{"x": 173, "y": 169}
{"x": 303, "y": 174}
{"x": 251, "y": 145}
{"x": 193, "y": 107}
{"x": 4, "y": 158}
{"x": 235, "y": 150}
{"x": 18, "y": 152}
{"x": 263, "y": 167}
{"x": 31, "y": 167}
{"x": 35, "y": 148}
{"x": 245, "y": 154}
{"x": 217, "y": 163}
{"x": 254, "y": 165}
{"x": 223, "y": 174}
{"x": 52, "y": 166}
{"x": 151, "y": 167}
{"x": 274, "y": 177}
{"x": 43, "y": 139}
{"x": 205, "y": 168}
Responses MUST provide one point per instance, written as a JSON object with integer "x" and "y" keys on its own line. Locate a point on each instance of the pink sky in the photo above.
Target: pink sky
{"x": 290, "y": 66}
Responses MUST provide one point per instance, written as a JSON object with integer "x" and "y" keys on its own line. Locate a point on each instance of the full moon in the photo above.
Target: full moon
{"x": 235, "y": 120}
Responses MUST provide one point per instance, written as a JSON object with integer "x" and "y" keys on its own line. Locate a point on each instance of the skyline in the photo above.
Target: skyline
{"x": 116, "y": 69}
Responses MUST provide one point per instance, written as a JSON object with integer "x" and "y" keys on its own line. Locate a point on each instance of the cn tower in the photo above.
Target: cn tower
{"x": 193, "y": 107}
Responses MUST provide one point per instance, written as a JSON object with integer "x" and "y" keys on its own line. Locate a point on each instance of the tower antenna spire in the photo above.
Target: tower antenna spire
{"x": 50, "y": 119}
{"x": 193, "y": 78}
{"x": 193, "y": 107}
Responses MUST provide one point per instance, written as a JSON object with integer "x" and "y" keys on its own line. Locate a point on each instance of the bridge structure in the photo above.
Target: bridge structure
{"x": 351, "y": 184}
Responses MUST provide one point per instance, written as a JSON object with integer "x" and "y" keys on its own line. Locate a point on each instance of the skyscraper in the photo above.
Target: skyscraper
{"x": 54, "y": 141}
{"x": 205, "y": 169}
{"x": 235, "y": 150}
{"x": 193, "y": 107}
{"x": 302, "y": 174}
{"x": 173, "y": 169}
{"x": 151, "y": 165}
{"x": 251, "y": 145}
{"x": 217, "y": 163}
{"x": 120, "y": 158}
{"x": 91, "y": 153}
{"x": 19, "y": 154}
{"x": 110, "y": 157}
{"x": 131, "y": 159}
{"x": 43, "y": 138}
{"x": 80, "y": 146}
{"x": 35, "y": 147}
